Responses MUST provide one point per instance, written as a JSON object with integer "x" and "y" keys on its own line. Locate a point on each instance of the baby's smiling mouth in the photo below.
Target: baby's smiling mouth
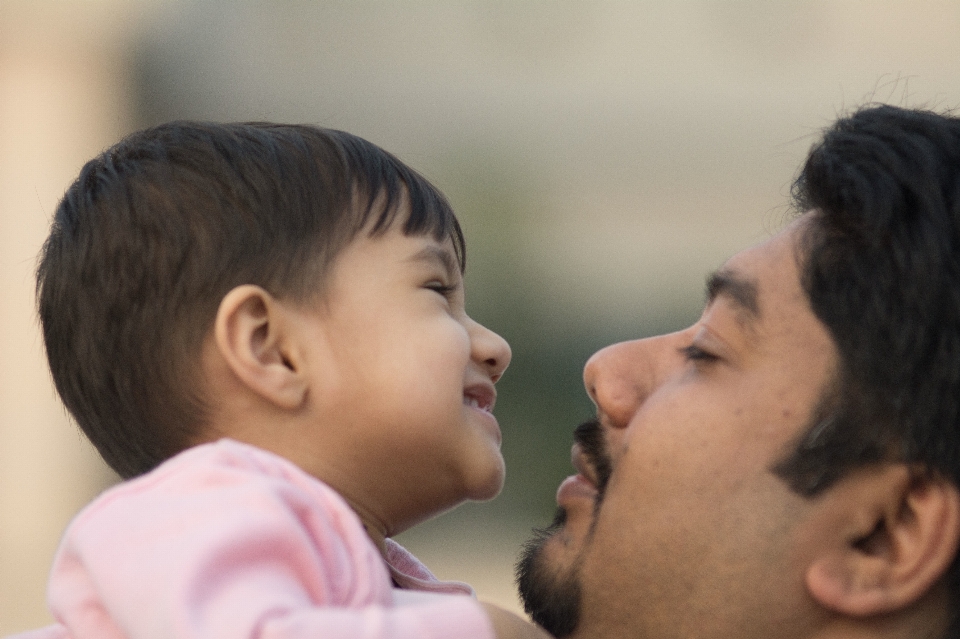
{"x": 481, "y": 397}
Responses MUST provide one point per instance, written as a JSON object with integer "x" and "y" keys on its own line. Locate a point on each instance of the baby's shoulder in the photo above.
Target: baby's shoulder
{"x": 227, "y": 482}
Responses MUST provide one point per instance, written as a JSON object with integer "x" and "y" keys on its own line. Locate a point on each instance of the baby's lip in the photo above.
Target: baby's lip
{"x": 482, "y": 396}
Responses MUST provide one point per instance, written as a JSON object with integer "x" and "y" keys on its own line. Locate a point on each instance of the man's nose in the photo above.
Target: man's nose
{"x": 620, "y": 377}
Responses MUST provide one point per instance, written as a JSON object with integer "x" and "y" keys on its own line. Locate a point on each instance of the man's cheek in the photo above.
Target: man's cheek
{"x": 611, "y": 575}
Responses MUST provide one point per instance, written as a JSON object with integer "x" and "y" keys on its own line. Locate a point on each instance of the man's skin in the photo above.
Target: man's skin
{"x": 677, "y": 524}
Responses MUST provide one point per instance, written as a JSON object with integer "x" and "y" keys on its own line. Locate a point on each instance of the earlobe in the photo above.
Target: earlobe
{"x": 848, "y": 584}
{"x": 250, "y": 336}
{"x": 902, "y": 534}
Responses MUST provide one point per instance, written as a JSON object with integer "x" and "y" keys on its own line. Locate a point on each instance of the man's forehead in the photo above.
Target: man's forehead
{"x": 756, "y": 273}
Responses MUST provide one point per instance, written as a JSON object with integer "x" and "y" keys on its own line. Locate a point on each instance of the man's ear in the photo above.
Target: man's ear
{"x": 252, "y": 337}
{"x": 898, "y": 537}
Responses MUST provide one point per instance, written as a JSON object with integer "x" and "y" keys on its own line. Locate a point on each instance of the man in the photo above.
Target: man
{"x": 788, "y": 466}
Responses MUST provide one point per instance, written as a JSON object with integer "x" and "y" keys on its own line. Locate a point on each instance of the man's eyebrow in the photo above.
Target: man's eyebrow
{"x": 437, "y": 254}
{"x": 741, "y": 291}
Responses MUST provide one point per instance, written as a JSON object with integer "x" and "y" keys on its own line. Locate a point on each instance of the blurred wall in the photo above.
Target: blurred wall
{"x": 62, "y": 98}
{"x": 603, "y": 156}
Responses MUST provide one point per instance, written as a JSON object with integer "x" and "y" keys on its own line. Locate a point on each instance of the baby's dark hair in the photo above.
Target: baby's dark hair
{"x": 156, "y": 230}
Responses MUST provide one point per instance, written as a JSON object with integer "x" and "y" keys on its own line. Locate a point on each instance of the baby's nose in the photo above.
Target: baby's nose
{"x": 491, "y": 350}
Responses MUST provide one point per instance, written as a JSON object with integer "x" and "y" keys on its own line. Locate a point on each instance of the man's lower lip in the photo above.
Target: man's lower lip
{"x": 575, "y": 487}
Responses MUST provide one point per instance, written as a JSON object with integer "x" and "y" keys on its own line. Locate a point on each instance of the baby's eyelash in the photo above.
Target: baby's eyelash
{"x": 444, "y": 289}
{"x": 694, "y": 353}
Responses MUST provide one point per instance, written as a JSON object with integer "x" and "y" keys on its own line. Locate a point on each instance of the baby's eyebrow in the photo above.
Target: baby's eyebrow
{"x": 437, "y": 255}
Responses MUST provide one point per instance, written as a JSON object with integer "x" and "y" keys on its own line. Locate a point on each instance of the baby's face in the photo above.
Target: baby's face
{"x": 405, "y": 380}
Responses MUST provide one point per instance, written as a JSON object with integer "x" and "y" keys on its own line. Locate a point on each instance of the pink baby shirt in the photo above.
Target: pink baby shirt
{"x": 229, "y": 541}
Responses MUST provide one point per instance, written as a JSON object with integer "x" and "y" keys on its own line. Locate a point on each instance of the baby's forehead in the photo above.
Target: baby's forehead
{"x": 413, "y": 205}
{"x": 423, "y": 247}
{"x": 439, "y": 253}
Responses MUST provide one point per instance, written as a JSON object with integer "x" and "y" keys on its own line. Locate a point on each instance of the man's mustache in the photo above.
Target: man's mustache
{"x": 589, "y": 435}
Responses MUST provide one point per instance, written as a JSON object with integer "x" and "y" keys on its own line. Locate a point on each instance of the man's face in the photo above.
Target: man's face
{"x": 695, "y": 535}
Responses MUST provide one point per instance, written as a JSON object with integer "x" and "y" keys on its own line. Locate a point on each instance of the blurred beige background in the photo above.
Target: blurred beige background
{"x": 603, "y": 157}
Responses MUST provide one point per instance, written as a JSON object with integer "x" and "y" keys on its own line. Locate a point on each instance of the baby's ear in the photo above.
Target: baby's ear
{"x": 251, "y": 333}
{"x": 899, "y": 535}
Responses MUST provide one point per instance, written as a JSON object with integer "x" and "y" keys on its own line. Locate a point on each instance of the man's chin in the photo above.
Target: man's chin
{"x": 549, "y": 588}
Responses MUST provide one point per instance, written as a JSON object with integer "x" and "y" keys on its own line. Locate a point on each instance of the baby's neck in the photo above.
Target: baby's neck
{"x": 378, "y": 537}
{"x": 376, "y": 530}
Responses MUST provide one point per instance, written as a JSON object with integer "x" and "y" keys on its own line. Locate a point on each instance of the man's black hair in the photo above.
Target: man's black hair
{"x": 880, "y": 263}
{"x": 156, "y": 230}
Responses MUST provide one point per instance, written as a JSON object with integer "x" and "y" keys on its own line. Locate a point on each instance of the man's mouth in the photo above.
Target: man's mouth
{"x": 590, "y": 456}
{"x": 551, "y": 595}
{"x": 583, "y": 465}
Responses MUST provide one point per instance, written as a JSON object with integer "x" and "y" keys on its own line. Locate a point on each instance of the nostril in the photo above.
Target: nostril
{"x": 590, "y": 380}
{"x": 590, "y": 371}
{"x": 592, "y": 392}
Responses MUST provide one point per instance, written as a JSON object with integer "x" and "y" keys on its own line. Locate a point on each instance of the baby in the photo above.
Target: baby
{"x": 262, "y": 328}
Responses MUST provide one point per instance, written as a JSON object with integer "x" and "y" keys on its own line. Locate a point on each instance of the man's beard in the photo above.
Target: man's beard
{"x": 552, "y": 598}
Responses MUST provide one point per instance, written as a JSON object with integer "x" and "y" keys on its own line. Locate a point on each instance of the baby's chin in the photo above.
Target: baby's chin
{"x": 481, "y": 482}
{"x": 486, "y": 482}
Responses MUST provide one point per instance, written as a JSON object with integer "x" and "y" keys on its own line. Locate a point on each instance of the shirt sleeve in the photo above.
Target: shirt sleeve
{"x": 207, "y": 551}
{"x": 56, "y": 631}
{"x": 427, "y": 615}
